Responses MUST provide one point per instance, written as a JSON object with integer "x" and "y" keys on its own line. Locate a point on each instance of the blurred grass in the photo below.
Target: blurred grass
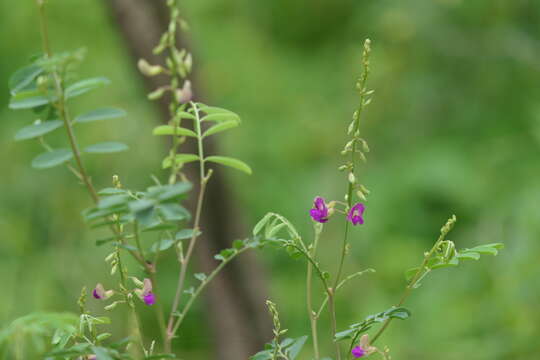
{"x": 454, "y": 128}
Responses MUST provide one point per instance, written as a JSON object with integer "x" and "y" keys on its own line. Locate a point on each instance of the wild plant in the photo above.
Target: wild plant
{"x": 155, "y": 216}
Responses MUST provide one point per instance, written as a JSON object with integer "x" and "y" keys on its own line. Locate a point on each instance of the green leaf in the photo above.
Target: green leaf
{"x": 162, "y": 245}
{"x": 23, "y": 77}
{"x": 159, "y": 226}
{"x": 112, "y": 201}
{"x": 468, "y": 255}
{"x": 106, "y": 147}
{"x": 180, "y": 159}
{"x": 52, "y": 158}
{"x": 86, "y": 85}
{"x": 222, "y": 117}
{"x": 238, "y": 244}
{"x": 100, "y": 114}
{"x": 218, "y": 114}
{"x": 101, "y": 353}
{"x": 258, "y": 227}
{"x": 296, "y": 347}
{"x": 185, "y": 115}
{"x": 111, "y": 191}
{"x": 105, "y": 240}
{"x": 200, "y": 276}
{"x": 220, "y": 127}
{"x": 169, "y": 192}
{"x": 170, "y": 130}
{"x": 30, "y": 99}
{"x": 173, "y": 212}
{"x": 186, "y": 234}
{"x": 399, "y": 313}
{"x": 487, "y": 249}
{"x": 36, "y": 130}
{"x": 231, "y": 162}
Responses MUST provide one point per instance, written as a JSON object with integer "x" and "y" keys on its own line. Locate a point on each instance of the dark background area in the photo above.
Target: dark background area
{"x": 454, "y": 127}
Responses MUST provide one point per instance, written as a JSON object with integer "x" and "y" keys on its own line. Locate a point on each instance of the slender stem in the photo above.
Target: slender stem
{"x": 343, "y": 250}
{"x": 184, "y": 262}
{"x": 309, "y": 293}
{"x": 138, "y": 239}
{"x": 332, "y": 309}
{"x": 44, "y": 28}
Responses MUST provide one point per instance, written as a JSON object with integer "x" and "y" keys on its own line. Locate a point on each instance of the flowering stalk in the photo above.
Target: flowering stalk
{"x": 352, "y": 147}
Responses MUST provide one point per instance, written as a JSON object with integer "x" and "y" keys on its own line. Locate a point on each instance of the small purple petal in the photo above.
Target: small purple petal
{"x": 95, "y": 294}
{"x": 149, "y": 299}
{"x": 358, "y": 352}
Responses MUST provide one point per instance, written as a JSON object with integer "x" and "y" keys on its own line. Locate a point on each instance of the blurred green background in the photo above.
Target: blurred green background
{"x": 454, "y": 127}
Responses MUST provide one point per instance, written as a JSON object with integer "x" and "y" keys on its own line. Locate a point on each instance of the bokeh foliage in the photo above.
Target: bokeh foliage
{"x": 454, "y": 128}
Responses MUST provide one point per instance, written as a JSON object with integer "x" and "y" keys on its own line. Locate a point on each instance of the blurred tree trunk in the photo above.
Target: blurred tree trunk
{"x": 236, "y": 310}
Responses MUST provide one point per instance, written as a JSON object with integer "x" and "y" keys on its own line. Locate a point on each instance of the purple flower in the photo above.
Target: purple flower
{"x": 358, "y": 352}
{"x": 149, "y": 298}
{"x": 319, "y": 212}
{"x": 355, "y": 214}
{"x": 100, "y": 293}
{"x": 145, "y": 293}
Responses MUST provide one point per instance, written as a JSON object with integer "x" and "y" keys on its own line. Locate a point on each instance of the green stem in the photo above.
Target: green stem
{"x": 332, "y": 309}
{"x": 309, "y": 293}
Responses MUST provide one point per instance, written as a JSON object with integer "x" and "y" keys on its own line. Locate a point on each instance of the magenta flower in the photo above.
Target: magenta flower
{"x": 319, "y": 212}
{"x": 145, "y": 293}
{"x": 149, "y": 298}
{"x": 355, "y": 214}
{"x": 358, "y": 352}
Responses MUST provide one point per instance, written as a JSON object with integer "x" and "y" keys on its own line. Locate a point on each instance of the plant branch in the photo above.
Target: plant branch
{"x": 186, "y": 259}
{"x": 419, "y": 274}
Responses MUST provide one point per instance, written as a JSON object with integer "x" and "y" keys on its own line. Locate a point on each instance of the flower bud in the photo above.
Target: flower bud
{"x": 361, "y": 195}
{"x": 149, "y": 70}
{"x": 156, "y": 94}
{"x": 188, "y": 63}
{"x": 111, "y": 306}
{"x": 136, "y": 281}
{"x": 185, "y": 94}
